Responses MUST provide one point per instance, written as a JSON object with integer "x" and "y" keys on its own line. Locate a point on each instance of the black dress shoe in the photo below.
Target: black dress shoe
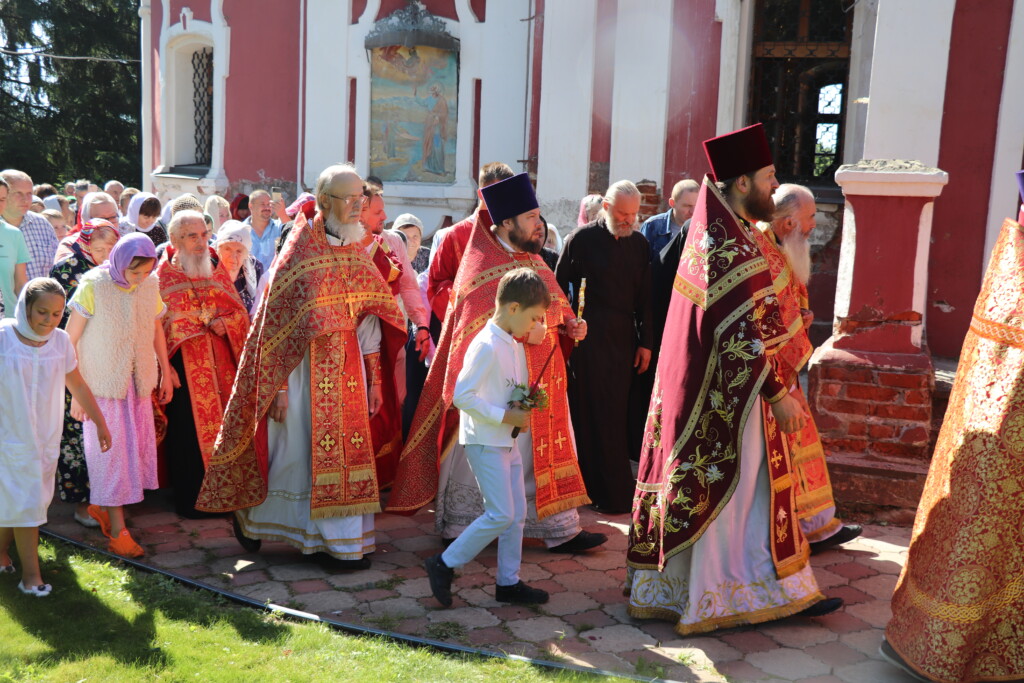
{"x": 582, "y": 541}
{"x": 821, "y": 608}
{"x": 520, "y": 594}
{"x": 249, "y": 545}
{"x": 847, "y": 533}
{"x": 890, "y": 655}
{"x": 440, "y": 576}
{"x": 351, "y": 565}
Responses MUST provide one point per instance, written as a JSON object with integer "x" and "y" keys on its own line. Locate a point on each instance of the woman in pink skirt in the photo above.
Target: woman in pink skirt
{"x": 116, "y": 330}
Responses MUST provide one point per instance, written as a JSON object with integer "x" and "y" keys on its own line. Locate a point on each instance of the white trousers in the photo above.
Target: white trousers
{"x": 499, "y": 472}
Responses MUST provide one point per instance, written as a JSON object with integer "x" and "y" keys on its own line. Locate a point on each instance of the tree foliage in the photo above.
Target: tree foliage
{"x": 64, "y": 119}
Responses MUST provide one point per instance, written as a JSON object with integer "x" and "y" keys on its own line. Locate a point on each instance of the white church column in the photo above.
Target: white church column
{"x": 326, "y": 108}
{"x": 566, "y": 100}
{"x": 640, "y": 100}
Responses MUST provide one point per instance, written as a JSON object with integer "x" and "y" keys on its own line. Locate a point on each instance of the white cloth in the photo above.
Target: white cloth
{"x": 499, "y": 472}
{"x": 727, "y": 578}
{"x": 31, "y": 422}
{"x": 459, "y": 502}
{"x": 482, "y": 390}
{"x": 284, "y": 515}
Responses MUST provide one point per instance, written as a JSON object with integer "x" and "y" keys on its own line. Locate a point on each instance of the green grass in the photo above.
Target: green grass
{"x": 105, "y": 622}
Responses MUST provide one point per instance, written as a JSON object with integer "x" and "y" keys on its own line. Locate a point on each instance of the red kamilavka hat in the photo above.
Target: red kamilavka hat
{"x": 742, "y": 151}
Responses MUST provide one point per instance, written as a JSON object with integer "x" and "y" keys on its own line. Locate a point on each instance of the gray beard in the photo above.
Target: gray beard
{"x": 797, "y": 249}
{"x": 196, "y": 266}
{"x": 346, "y": 232}
{"x": 613, "y": 227}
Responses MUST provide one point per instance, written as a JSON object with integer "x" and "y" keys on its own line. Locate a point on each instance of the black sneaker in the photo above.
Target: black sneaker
{"x": 440, "y": 576}
{"x": 847, "y": 533}
{"x": 520, "y": 594}
{"x": 579, "y": 543}
{"x": 821, "y": 608}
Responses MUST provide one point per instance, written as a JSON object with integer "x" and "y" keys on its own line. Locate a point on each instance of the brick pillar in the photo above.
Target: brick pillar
{"x": 650, "y": 199}
{"x": 871, "y": 382}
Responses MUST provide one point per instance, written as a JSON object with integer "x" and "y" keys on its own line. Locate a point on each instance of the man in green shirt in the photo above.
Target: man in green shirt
{"x": 13, "y": 259}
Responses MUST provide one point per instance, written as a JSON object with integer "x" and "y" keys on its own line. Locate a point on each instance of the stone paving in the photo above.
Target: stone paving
{"x": 585, "y": 623}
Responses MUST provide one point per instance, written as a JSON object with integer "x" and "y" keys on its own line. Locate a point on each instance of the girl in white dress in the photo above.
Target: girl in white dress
{"x": 37, "y": 360}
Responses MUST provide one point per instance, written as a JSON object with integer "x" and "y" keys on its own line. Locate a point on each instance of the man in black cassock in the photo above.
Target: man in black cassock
{"x": 615, "y": 260}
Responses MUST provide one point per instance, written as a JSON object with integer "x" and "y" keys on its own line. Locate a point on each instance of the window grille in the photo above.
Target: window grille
{"x": 202, "y": 101}
{"x": 799, "y": 75}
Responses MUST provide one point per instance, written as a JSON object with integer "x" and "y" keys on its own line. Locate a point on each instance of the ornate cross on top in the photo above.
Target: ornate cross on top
{"x": 327, "y": 443}
{"x": 352, "y": 383}
{"x": 326, "y": 385}
{"x": 357, "y": 440}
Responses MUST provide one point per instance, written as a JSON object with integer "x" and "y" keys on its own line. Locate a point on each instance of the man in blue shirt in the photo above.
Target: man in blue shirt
{"x": 264, "y": 227}
{"x": 660, "y": 229}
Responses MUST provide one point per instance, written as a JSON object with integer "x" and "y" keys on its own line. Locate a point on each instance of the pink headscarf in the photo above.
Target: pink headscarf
{"x": 584, "y": 217}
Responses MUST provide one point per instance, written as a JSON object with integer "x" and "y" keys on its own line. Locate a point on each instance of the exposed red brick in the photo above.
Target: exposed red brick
{"x": 870, "y": 392}
{"x": 916, "y": 435}
{"x": 834, "y": 405}
{"x": 848, "y": 445}
{"x": 912, "y": 413}
{"x": 908, "y": 381}
{"x": 891, "y": 448}
{"x": 848, "y": 374}
{"x": 881, "y": 431}
{"x": 857, "y": 429}
{"x": 916, "y": 398}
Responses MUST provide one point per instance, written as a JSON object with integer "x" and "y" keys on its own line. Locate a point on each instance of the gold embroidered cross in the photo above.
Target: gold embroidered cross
{"x": 357, "y": 440}
{"x": 326, "y": 385}
{"x": 558, "y": 381}
{"x": 327, "y": 443}
{"x": 352, "y": 383}
{"x": 560, "y": 441}
{"x": 542, "y": 447}
{"x": 776, "y": 458}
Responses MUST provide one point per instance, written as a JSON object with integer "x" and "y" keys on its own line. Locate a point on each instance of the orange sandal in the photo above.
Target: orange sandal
{"x": 125, "y": 546}
{"x": 101, "y": 516}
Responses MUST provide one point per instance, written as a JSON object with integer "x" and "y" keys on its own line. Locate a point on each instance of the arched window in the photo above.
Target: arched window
{"x": 798, "y": 88}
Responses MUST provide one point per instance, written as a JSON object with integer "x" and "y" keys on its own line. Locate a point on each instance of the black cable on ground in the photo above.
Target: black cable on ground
{"x": 405, "y": 639}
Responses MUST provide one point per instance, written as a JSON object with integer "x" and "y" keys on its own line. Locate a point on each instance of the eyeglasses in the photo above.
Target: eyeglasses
{"x": 113, "y": 220}
{"x": 350, "y": 199}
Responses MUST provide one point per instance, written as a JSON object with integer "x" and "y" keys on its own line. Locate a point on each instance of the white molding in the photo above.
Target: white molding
{"x": 908, "y": 80}
{"x": 566, "y": 103}
{"x": 327, "y": 73}
{"x": 865, "y": 16}
{"x": 891, "y": 183}
{"x": 920, "y": 291}
{"x": 1004, "y": 195}
{"x": 146, "y": 75}
{"x": 640, "y": 93}
{"x": 177, "y": 38}
{"x": 737, "y": 19}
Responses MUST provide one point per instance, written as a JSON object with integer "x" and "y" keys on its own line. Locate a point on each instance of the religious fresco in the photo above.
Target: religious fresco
{"x": 413, "y": 113}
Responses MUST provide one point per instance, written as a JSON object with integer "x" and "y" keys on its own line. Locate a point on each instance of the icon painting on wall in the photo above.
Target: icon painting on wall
{"x": 413, "y": 113}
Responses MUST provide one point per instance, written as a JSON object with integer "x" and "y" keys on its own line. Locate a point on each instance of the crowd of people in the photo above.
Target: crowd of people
{"x": 294, "y": 362}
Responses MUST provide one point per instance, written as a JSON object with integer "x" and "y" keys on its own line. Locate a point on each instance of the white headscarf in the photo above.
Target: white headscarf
{"x": 20, "y": 319}
{"x": 237, "y": 231}
{"x": 134, "y": 204}
{"x": 52, "y": 202}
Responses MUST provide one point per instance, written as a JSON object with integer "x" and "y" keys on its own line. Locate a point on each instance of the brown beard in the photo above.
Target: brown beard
{"x": 757, "y": 206}
{"x": 519, "y": 238}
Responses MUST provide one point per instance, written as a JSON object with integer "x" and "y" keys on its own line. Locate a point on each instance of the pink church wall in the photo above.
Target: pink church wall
{"x": 261, "y": 131}
{"x": 200, "y": 10}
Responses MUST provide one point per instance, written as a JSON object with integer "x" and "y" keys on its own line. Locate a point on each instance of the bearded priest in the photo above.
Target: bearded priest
{"x": 295, "y": 456}
{"x": 715, "y": 541}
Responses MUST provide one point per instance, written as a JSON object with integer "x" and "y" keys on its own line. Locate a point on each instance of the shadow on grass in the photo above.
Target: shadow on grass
{"x": 75, "y": 623}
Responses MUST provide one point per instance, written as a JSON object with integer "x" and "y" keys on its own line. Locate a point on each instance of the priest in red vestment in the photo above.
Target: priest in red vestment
{"x": 295, "y": 456}
{"x": 450, "y": 249}
{"x": 958, "y": 610}
{"x": 206, "y": 325}
{"x": 433, "y": 465}
{"x": 715, "y": 541}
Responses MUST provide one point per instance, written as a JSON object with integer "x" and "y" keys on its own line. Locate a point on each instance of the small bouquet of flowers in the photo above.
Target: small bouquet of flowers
{"x": 526, "y": 398}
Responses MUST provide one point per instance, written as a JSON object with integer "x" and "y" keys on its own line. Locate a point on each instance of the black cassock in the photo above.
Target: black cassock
{"x": 663, "y": 275}
{"x": 618, "y": 314}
